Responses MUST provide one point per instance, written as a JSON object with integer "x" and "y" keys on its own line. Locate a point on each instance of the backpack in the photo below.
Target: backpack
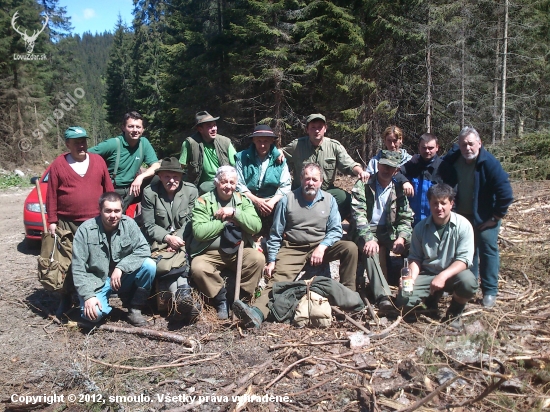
{"x": 312, "y": 310}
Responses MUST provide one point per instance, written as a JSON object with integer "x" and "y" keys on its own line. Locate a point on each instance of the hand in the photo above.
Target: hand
{"x": 89, "y": 308}
{"x": 51, "y": 228}
{"x": 174, "y": 242}
{"x": 115, "y": 279}
{"x": 408, "y": 189}
{"x": 135, "y": 188}
{"x": 438, "y": 283}
{"x": 364, "y": 176}
{"x": 371, "y": 248}
{"x": 398, "y": 246}
{"x": 268, "y": 269}
{"x": 488, "y": 224}
{"x": 318, "y": 255}
{"x": 280, "y": 159}
{"x": 263, "y": 207}
{"x": 224, "y": 213}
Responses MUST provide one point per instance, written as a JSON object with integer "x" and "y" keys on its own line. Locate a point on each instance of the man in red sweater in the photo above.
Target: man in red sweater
{"x": 76, "y": 181}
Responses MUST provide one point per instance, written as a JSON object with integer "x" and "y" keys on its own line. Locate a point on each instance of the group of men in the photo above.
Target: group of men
{"x": 213, "y": 198}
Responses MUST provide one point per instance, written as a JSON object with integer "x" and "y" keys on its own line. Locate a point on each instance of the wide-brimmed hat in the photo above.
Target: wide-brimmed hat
{"x": 170, "y": 164}
{"x": 263, "y": 130}
{"x": 75, "y": 132}
{"x": 315, "y": 116}
{"x": 392, "y": 159}
{"x": 203, "y": 117}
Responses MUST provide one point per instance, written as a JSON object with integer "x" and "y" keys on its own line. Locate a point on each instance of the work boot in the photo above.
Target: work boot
{"x": 252, "y": 317}
{"x": 384, "y": 304}
{"x": 65, "y": 305}
{"x": 220, "y": 304}
{"x": 431, "y": 303}
{"x": 187, "y": 309}
{"x": 137, "y": 303}
{"x": 453, "y": 315}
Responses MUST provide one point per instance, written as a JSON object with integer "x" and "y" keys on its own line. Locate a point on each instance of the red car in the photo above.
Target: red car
{"x": 31, "y": 211}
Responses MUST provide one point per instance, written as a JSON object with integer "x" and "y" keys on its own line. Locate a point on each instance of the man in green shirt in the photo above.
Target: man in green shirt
{"x": 124, "y": 155}
{"x": 205, "y": 151}
{"x": 327, "y": 153}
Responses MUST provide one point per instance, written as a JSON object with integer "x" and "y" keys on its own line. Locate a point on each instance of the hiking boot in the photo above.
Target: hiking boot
{"x": 489, "y": 301}
{"x": 65, "y": 305}
{"x": 384, "y": 304}
{"x": 454, "y": 316}
{"x": 251, "y": 317}
{"x": 186, "y": 308}
{"x": 138, "y": 302}
{"x": 431, "y": 304}
{"x": 220, "y": 304}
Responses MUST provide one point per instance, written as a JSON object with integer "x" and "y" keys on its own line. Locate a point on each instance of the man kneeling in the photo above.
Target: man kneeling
{"x": 110, "y": 255}
{"x": 442, "y": 250}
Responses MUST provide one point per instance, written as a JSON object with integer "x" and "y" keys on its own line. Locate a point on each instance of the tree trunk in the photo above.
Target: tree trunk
{"x": 428, "y": 80}
{"x": 496, "y": 82}
{"x": 504, "y": 58}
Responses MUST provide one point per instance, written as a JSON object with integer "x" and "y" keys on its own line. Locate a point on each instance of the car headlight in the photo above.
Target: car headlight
{"x": 34, "y": 207}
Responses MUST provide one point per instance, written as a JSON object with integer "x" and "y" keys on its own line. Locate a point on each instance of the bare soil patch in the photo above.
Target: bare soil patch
{"x": 500, "y": 363}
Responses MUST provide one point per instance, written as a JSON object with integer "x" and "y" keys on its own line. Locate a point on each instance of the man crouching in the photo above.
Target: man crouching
{"x": 110, "y": 255}
{"x": 442, "y": 250}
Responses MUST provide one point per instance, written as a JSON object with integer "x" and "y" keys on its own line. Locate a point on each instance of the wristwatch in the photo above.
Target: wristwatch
{"x": 494, "y": 219}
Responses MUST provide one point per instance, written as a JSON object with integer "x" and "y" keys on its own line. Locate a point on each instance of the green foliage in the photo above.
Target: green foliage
{"x": 13, "y": 181}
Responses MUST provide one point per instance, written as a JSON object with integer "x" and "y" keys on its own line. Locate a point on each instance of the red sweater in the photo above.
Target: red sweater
{"x": 72, "y": 197}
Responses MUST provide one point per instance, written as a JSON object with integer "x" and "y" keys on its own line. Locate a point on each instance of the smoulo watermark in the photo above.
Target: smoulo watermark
{"x": 65, "y": 105}
{"x": 29, "y": 40}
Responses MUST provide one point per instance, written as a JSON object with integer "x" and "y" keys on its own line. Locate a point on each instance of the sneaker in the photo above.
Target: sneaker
{"x": 250, "y": 316}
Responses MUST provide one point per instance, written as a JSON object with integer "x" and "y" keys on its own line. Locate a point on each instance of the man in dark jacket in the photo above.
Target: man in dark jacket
{"x": 423, "y": 171}
{"x": 484, "y": 194}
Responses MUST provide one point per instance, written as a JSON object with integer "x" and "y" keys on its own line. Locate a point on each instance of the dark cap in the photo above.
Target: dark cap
{"x": 263, "y": 130}
{"x": 203, "y": 117}
{"x": 315, "y": 116}
{"x": 232, "y": 237}
{"x": 170, "y": 164}
{"x": 392, "y": 159}
{"x": 75, "y": 132}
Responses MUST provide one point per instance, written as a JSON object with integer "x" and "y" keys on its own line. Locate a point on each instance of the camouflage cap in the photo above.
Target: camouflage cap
{"x": 392, "y": 159}
{"x": 75, "y": 132}
{"x": 315, "y": 116}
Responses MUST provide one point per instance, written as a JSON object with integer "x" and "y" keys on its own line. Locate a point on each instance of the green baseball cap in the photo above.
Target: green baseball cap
{"x": 392, "y": 159}
{"x": 75, "y": 132}
{"x": 315, "y": 116}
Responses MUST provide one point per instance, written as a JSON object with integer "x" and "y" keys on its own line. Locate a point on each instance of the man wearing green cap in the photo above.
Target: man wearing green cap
{"x": 124, "y": 155}
{"x": 76, "y": 181}
{"x": 205, "y": 151}
{"x": 327, "y": 153}
{"x": 383, "y": 221}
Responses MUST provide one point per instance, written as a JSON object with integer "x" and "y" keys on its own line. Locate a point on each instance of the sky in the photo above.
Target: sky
{"x": 97, "y": 16}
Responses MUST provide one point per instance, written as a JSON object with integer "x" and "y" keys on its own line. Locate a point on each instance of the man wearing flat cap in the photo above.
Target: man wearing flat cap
{"x": 205, "y": 151}
{"x": 261, "y": 178}
{"x": 327, "y": 153}
{"x": 76, "y": 181}
{"x": 167, "y": 207}
{"x": 383, "y": 220}
{"x": 222, "y": 219}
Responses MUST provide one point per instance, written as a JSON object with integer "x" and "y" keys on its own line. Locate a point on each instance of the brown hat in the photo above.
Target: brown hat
{"x": 263, "y": 130}
{"x": 169, "y": 164}
{"x": 315, "y": 116}
{"x": 203, "y": 117}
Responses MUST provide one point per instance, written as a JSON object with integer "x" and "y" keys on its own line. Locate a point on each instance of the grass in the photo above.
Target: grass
{"x": 13, "y": 180}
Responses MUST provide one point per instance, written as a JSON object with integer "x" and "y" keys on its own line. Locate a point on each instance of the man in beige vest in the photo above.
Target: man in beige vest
{"x": 306, "y": 226}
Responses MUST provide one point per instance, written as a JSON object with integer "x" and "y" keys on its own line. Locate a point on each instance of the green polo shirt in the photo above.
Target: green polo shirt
{"x": 210, "y": 163}
{"x": 330, "y": 155}
{"x": 130, "y": 159}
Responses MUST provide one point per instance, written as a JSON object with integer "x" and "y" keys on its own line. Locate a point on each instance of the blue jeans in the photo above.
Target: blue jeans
{"x": 486, "y": 251}
{"x": 140, "y": 278}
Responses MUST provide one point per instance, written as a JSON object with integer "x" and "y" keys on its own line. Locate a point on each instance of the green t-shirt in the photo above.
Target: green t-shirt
{"x": 211, "y": 162}
{"x": 466, "y": 181}
{"x": 130, "y": 160}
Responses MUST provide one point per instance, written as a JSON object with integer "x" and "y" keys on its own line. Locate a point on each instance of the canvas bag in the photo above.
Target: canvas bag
{"x": 176, "y": 262}
{"x": 55, "y": 258}
{"x": 312, "y": 310}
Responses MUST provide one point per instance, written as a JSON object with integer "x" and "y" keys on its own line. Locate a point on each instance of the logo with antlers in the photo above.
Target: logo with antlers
{"x": 29, "y": 40}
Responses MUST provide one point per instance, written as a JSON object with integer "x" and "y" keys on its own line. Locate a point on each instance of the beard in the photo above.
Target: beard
{"x": 310, "y": 191}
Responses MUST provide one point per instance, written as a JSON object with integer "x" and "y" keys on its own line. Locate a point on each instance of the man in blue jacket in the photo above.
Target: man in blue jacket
{"x": 483, "y": 196}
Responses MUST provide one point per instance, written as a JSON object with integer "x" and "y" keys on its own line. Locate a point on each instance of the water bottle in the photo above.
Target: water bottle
{"x": 406, "y": 279}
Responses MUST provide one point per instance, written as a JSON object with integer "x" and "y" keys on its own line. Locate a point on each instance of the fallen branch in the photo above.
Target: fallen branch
{"x": 245, "y": 379}
{"x": 428, "y": 398}
{"x": 287, "y": 369}
{"x": 349, "y": 319}
{"x": 482, "y": 395}
{"x": 387, "y": 331}
{"x": 310, "y": 389}
{"x": 524, "y": 294}
{"x": 295, "y": 345}
{"x": 150, "y": 368}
